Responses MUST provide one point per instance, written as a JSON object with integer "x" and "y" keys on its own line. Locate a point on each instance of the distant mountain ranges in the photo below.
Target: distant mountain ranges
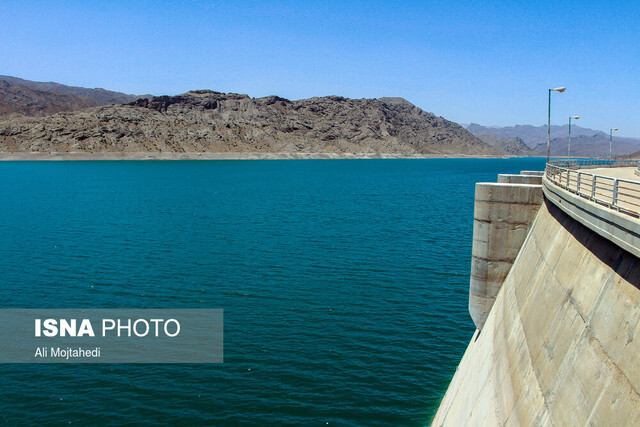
{"x": 98, "y": 96}
{"x": 34, "y": 102}
{"x": 584, "y": 142}
{"x": 51, "y": 117}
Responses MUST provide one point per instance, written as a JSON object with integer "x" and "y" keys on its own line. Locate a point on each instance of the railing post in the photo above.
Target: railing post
{"x": 614, "y": 199}
{"x": 578, "y": 185}
{"x": 568, "y": 174}
{"x": 593, "y": 188}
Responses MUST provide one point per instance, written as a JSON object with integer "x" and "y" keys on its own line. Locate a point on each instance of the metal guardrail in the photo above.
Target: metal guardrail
{"x": 620, "y": 194}
{"x": 592, "y": 163}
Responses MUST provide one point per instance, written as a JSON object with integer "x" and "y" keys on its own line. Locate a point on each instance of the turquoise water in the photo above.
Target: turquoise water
{"x": 344, "y": 284}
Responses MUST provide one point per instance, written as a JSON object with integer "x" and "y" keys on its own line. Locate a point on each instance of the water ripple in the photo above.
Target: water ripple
{"x": 344, "y": 284}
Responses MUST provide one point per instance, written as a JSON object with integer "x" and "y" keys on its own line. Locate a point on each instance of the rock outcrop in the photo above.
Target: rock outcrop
{"x": 207, "y": 121}
{"x": 514, "y": 146}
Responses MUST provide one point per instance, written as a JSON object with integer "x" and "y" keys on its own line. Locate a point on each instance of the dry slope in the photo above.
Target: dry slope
{"x": 207, "y": 121}
{"x": 19, "y": 99}
{"x": 98, "y": 95}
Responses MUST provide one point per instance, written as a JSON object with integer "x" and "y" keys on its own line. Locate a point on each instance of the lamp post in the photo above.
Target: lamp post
{"x": 569, "y": 150}
{"x": 558, "y": 89}
{"x": 610, "y": 143}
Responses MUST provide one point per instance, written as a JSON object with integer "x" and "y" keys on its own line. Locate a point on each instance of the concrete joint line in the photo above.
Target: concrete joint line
{"x": 500, "y": 221}
{"x": 505, "y": 260}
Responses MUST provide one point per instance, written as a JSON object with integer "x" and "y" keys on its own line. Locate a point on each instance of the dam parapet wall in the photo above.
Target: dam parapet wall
{"x": 534, "y": 173}
{"x": 504, "y": 178}
{"x": 608, "y": 205}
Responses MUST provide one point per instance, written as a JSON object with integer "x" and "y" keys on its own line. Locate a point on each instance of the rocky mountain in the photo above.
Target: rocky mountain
{"x": 512, "y": 146}
{"x": 207, "y": 121}
{"x": 634, "y": 155}
{"x": 34, "y": 102}
{"x": 100, "y": 96}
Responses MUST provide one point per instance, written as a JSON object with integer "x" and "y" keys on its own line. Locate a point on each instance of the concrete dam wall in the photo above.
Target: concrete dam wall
{"x": 558, "y": 346}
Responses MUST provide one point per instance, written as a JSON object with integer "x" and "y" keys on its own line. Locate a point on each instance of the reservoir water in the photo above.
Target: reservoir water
{"x": 344, "y": 284}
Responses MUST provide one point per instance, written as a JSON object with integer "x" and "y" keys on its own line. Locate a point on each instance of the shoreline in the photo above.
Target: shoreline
{"x": 100, "y": 156}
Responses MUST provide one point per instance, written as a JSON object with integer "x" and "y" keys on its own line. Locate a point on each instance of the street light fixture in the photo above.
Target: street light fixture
{"x": 558, "y": 89}
{"x": 569, "y": 150}
{"x": 610, "y": 142}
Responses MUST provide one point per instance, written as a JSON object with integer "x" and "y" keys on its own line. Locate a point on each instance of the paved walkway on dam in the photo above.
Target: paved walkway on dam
{"x": 604, "y": 190}
{"x": 623, "y": 173}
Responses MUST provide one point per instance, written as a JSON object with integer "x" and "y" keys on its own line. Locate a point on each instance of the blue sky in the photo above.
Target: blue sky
{"x": 484, "y": 62}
